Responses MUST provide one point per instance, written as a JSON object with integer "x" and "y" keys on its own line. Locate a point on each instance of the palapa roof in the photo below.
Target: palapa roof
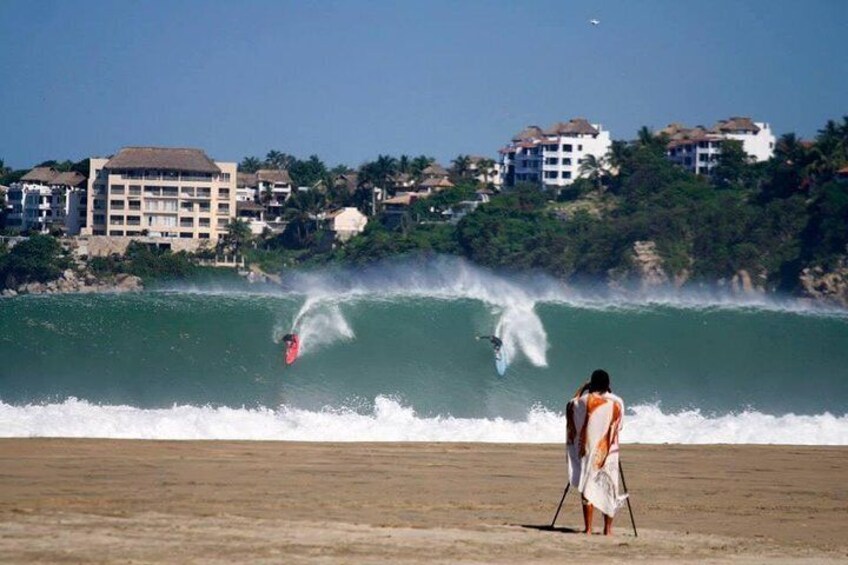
{"x": 573, "y": 126}
{"x": 249, "y": 206}
{"x": 434, "y": 169}
{"x": 44, "y": 175}
{"x": 436, "y": 183}
{"x": 277, "y": 176}
{"x": 163, "y": 159}
{"x": 404, "y": 199}
{"x": 737, "y": 123}
{"x": 49, "y": 176}
{"x": 530, "y": 132}
{"x": 246, "y": 180}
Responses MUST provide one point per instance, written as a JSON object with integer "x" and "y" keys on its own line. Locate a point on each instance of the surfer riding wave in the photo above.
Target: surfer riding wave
{"x": 497, "y": 343}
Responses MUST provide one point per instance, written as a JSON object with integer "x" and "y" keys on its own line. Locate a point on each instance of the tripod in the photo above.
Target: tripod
{"x": 623, "y": 483}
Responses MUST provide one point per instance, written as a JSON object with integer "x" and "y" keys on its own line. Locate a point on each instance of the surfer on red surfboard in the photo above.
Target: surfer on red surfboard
{"x": 292, "y": 342}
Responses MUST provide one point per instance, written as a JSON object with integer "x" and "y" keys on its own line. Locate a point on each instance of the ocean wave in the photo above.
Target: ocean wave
{"x": 390, "y": 420}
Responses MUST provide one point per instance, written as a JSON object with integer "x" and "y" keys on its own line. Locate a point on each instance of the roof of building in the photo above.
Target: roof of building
{"x": 164, "y": 159}
{"x": 250, "y": 206}
{"x": 436, "y": 183}
{"x": 530, "y": 132}
{"x": 43, "y": 175}
{"x": 70, "y": 178}
{"x": 334, "y": 213}
{"x": 434, "y": 169}
{"x": 404, "y": 199}
{"x": 737, "y": 123}
{"x": 573, "y": 126}
{"x": 273, "y": 175}
{"x": 246, "y": 180}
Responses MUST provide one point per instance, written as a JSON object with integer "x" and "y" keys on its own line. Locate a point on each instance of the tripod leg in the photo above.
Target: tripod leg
{"x": 629, "y": 507}
{"x": 560, "y": 505}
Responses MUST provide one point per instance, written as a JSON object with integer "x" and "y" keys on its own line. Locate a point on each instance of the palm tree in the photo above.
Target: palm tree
{"x": 789, "y": 150}
{"x": 238, "y": 233}
{"x": 594, "y": 169}
{"x": 461, "y": 166}
{"x": 279, "y": 160}
{"x": 484, "y": 167}
{"x": 404, "y": 164}
{"x": 250, "y": 165}
{"x": 420, "y": 163}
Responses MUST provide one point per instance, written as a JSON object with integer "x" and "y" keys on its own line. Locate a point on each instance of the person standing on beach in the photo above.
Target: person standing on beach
{"x": 593, "y": 423}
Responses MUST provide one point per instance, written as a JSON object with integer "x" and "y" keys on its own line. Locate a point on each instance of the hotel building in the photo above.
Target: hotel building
{"x": 698, "y": 148}
{"x": 161, "y": 192}
{"x": 552, "y": 157}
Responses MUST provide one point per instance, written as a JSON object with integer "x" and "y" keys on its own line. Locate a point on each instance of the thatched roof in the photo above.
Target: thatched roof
{"x": 530, "y": 132}
{"x": 434, "y": 169}
{"x": 43, "y": 175}
{"x": 163, "y": 159}
{"x": 71, "y": 178}
{"x": 737, "y": 124}
{"x": 246, "y": 180}
{"x": 276, "y": 176}
{"x": 571, "y": 127}
{"x": 436, "y": 183}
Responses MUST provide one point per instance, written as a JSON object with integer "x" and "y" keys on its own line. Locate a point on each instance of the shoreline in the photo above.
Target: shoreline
{"x": 407, "y": 502}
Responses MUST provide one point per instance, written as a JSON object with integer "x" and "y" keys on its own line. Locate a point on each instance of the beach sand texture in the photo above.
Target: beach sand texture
{"x": 216, "y": 501}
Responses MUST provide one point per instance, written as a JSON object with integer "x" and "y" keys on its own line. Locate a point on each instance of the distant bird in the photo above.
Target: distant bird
{"x": 594, "y": 22}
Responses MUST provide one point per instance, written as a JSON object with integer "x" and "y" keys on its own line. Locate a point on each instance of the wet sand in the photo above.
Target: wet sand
{"x": 153, "y": 501}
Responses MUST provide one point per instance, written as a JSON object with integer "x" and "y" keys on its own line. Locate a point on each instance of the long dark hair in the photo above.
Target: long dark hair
{"x": 600, "y": 381}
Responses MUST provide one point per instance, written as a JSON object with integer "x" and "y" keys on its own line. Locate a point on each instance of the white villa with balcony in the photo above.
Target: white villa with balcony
{"x": 552, "y": 157}
{"x": 161, "y": 193}
{"x": 698, "y": 148}
{"x": 45, "y": 199}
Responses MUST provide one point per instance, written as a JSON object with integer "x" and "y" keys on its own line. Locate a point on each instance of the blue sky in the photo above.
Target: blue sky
{"x": 350, "y": 79}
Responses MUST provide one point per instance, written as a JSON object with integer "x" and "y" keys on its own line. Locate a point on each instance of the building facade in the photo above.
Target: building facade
{"x": 45, "y": 200}
{"x": 552, "y": 157}
{"x": 161, "y": 192}
{"x": 698, "y": 148}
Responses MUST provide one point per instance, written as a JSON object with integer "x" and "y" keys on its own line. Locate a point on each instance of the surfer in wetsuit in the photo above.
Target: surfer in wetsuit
{"x": 497, "y": 343}
{"x": 288, "y": 339}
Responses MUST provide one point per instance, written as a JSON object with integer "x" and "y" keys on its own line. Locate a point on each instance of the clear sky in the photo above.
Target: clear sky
{"x": 350, "y": 79}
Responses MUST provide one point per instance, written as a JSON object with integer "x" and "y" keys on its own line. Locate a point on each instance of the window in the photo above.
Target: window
{"x": 203, "y": 207}
{"x": 99, "y": 204}
{"x": 133, "y": 220}
{"x": 133, "y": 232}
{"x": 187, "y": 191}
{"x": 185, "y": 235}
{"x": 135, "y": 205}
{"x": 116, "y": 220}
{"x": 135, "y": 190}
{"x": 224, "y": 177}
{"x": 203, "y": 235}
{"x": 186, "y": 222}
{"x": 116, "y": 204}
{"x": 223, "y": 208}
{"x": 165, "y": 221}
{"x": 116, "y": 232}
{"x": 551, "y": 174}
{"x": 204, "y": 192}
{"x": 566, "y": 161}
{"x": 580, "y": 148}
{"x": 567, "y": 148}
{"x": 203, "y": 222}
{"x": 187, "y": 206}
{"x": 99, "y": 219}
{"x": 551, "y": 148}
{"x": 222, "y": 223}
{"x": 224, "y": 193}
{"x": 566, "y": 174}
{"x": 169, "y": 191}
{"x": 551, "y": 161}
{"x": 117, "y": 189}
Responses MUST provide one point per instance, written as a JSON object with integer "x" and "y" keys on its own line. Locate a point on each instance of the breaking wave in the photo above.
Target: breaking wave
{"x": 391, "y": 421}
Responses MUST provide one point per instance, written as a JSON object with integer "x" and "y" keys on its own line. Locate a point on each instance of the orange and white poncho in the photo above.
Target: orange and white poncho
{"x": 593, "y": 422}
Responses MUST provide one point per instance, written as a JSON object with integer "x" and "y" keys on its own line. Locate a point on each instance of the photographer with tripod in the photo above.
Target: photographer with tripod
{"x": 593, "y": 423}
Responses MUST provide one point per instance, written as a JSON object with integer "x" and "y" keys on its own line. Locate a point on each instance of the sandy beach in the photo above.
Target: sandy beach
{"x": 153, "y": 501}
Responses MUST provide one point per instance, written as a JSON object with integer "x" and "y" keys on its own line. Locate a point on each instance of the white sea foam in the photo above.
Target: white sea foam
{"x": 391, "y": 421}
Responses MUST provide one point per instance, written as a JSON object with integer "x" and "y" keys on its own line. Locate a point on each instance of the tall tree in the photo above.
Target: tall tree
{"x": 238, "y": 233}
{"x": 250, "y": 165}
{"x": 279, "y": 160}
{"x": 461, "y": 166}
{"x": 594, "y": 169}
{"x": 420, "y": 163}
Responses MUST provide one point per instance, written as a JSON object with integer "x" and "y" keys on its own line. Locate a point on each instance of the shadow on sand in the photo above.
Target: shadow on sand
{"x": 549, "y": 528}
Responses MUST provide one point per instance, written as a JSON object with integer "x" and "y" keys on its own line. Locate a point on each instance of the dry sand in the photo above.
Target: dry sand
{"x": 146, "y": 501}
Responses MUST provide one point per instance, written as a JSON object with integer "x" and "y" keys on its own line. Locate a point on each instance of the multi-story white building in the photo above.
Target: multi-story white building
{"x": 698, "y": 148}
{"x": 552, "y": 157}
{"x": 161, "y": 192}
{"x": 45, "y": 199}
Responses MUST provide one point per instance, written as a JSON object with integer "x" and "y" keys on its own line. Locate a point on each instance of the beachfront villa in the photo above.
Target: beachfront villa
{"x": 552, "y": 157}
{"x": 45, "y": 200}
{"x": 161, "y": 192}
{"x": 697, "y": 149}
{"x": 345, "y": 222}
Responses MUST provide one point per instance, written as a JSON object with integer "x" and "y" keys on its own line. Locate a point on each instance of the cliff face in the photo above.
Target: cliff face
{"x": 830, "y": 286}
{"x": 79, "y": 281}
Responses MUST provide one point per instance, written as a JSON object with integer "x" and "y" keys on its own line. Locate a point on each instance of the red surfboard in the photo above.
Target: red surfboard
{"x": 292, "y": 349}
